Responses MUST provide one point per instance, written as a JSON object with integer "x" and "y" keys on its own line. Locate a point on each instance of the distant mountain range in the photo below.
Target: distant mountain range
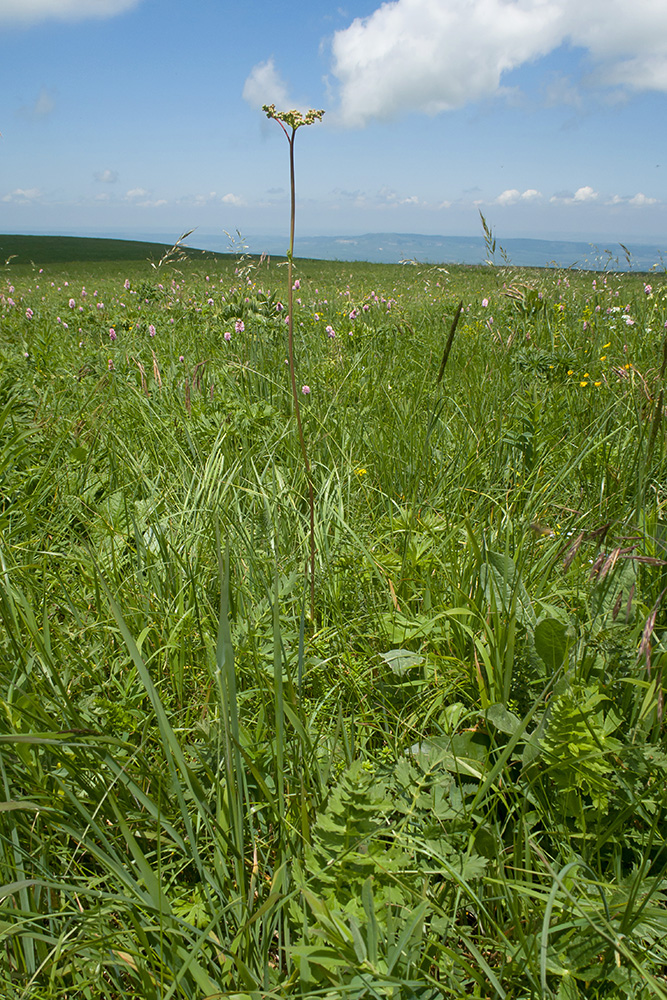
{"x": 392, "y": 248}
{"x": 380, "y": 248}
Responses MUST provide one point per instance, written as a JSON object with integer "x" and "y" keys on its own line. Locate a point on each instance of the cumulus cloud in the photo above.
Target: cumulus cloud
{"x": 585, "y": 194}
{"x": 23, "y": 196}
{"x": 437, "y": 55}
{"x": 513, "y": 197}
{"x": 232, "y": 199}
{"x": 32, "y": 11}
{"x": 135, "y": 193}
{"x": 106, "y": 176}
{"x": 265, "y": 85}
{"x": 580, "y": 196}
{"x": 509, "y": 197}
{"x": 641, "y": 199}
{"x": 638, "y": 200}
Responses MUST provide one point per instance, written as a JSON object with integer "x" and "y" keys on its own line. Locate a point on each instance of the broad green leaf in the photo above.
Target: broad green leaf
{"x": 550, "y": 638}
{"x": 400, "y": 661}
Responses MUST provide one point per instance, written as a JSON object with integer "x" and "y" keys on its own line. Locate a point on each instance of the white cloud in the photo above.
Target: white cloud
{"x": 387, "y": 197}
{"x": 23, "y": 196}
{"x": 437, "y": 55}
{"x": 580, "y": 196}
{"x": 232, "y": 199}
{"x": 531, "y": 195}
{"x": 509, "y": 197}
{"x": 585, "y": 194}
{"x": 141, "y": 199}
{"x": 638, "y": 200}
{"x": 106, "y": 176}
{"x": 42, "y": 107}
{"x": 264, "y": 85}
{"x": 32, "y": 11}
{"x": 641, "y": 199}
{"x": 512, "y": 196}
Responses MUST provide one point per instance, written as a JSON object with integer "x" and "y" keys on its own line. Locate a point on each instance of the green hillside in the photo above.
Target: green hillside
{"x": 42, "y": 250}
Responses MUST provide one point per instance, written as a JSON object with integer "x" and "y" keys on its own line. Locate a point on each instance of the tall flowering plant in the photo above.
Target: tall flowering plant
{"x": 290, "y": 122}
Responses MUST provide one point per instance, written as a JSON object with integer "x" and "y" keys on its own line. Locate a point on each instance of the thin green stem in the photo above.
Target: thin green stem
{"x": 290, "y": 354}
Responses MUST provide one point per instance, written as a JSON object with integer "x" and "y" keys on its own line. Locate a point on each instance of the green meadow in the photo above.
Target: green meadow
{"x": 445, "y": 778}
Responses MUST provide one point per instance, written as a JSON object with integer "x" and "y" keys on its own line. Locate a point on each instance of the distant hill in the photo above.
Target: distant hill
{"x": 380, "y": 248}
{"x": 392, "y": 248}
{"x": 42, "y": 250}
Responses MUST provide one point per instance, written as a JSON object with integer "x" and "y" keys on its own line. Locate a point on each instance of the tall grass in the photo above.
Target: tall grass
{"x": 451, "y": 785}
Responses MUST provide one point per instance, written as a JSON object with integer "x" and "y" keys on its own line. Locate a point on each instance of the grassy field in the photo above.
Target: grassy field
{"x": 448, "y": 779}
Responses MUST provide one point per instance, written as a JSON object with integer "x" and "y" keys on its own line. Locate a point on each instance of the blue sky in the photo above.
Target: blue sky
{"x": 143, "y": 117}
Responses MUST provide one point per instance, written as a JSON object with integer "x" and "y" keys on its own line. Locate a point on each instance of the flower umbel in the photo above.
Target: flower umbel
{"x": 295, "y": 119}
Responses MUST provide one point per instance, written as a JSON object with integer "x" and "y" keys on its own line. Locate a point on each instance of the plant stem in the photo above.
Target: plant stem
{"x": 290, "y": 354}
